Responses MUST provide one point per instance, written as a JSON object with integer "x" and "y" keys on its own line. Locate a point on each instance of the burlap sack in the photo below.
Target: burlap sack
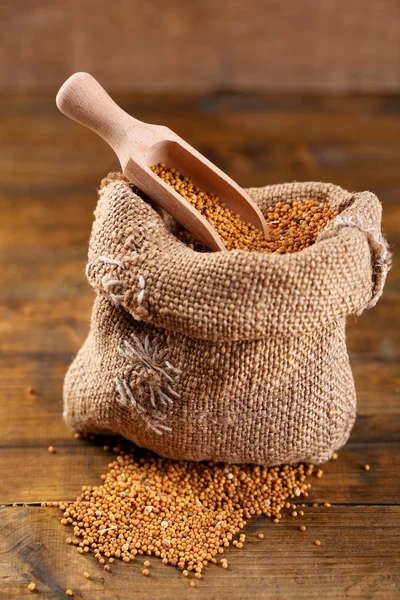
{"x": 236, "y": 356}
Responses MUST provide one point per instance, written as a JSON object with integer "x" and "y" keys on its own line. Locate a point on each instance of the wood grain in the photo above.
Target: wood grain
{"x": 38, "y": 419}
{"x": 203, "y": 45}
{"x": 32, "y": 419}
{"x": 358, "y": 558}
{"x": 49, "y": 172}
{"x": 63, "y": 323}
{"x": 258, "y": 140}
{"x": 55, "y": 477}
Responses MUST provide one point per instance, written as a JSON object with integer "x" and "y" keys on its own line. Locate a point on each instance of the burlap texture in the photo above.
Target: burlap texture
{"x": 235, "y": 356}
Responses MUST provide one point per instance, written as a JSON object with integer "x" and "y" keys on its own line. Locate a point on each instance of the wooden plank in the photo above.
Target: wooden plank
{"x": 54, "y": 325}
{"x": 38, "y": 422}
{"x": 255, "y": 151}
{"x": 62, "y": 325}
{"x": 38, "y": 273}
{"x": 35, "y": 475}
{"x": 44, "y": 367}
{"x": 345, "y": 481}
{"x": 45, "y": 306}
{"x": 378, "y": 427}
{"x": 372, "y": 335}
{"x": 24, "y": 417}
{"x": 53, "y": 222}
{"x": 201, "y": 46}
{"x": 27, "y": 417}
{"x": 358, "y": 558}
{"x": 258, "y": 140}
{"x": 378, "y": 387}
{"x": 37, "y": 103}
{"x": 22, "y": 414}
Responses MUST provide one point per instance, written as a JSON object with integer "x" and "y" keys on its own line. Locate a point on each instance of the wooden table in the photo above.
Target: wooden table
{"x": 49, "y": 171}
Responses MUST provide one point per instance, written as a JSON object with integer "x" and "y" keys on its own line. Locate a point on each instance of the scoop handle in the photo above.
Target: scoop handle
{"x": 84, "y": 100}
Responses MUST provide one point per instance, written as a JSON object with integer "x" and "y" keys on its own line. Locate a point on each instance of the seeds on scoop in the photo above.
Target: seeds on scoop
{"x": 292, "y": 226}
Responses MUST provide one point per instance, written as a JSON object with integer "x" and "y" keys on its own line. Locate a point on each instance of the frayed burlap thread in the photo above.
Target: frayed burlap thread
{"x": 236, "y": 356}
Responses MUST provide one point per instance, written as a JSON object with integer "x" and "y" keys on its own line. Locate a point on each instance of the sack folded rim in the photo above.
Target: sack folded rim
{"x": 240, "y": 295}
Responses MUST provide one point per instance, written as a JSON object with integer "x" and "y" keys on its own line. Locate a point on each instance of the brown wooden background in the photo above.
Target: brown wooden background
{"x": 49, "y": 171}
{"x": 253, "y": 84}
{"x": 203, "y": 45}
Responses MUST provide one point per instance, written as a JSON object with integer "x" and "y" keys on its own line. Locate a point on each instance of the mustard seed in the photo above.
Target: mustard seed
{"x": 317, "y": 542}
{"x": 192, "y": 519}
{"x": 69, "y": 592}
{"x": 260, "y": 536}
{"x": 192, "y": 584}
{"x": 335, "y": 456}
{"x": 32, "y": 587}
{"x": 145, "y": 572}
{"x": 319, "y": 473}
{"x": 51, "y": 449}
{"x": 146, "y": 563}
{"x": 291, "y": 227}
{"x": 367, "y": 467}
{"x": 302, "y": 528}
{"x": 86, "y": 575}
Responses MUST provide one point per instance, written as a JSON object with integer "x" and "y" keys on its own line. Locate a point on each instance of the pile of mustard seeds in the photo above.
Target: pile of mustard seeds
{"x": 292, "y": 226}
{"x": 185, "y": 513}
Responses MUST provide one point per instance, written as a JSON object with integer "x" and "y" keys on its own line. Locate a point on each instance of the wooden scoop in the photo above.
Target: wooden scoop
{"x": 140, "y": 146}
